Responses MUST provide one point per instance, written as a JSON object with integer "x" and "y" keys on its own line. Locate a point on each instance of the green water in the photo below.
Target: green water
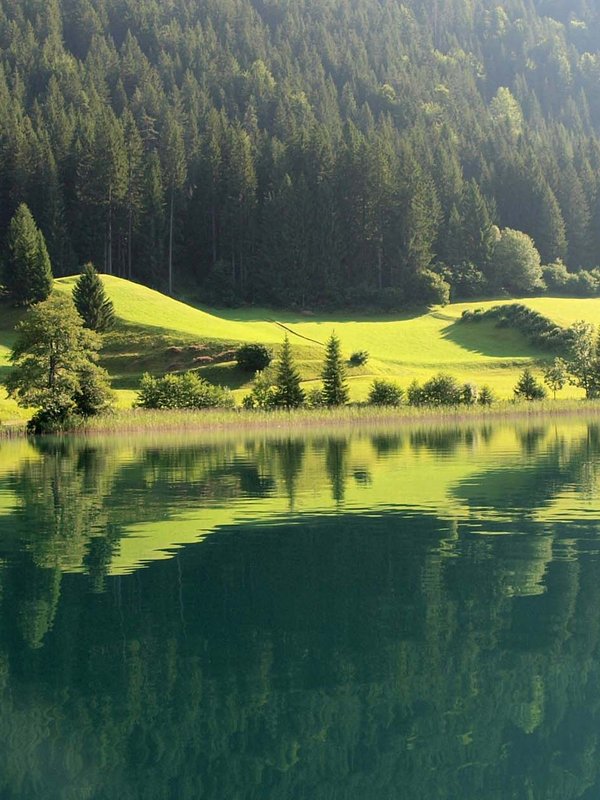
{"x": 412, "y": 616}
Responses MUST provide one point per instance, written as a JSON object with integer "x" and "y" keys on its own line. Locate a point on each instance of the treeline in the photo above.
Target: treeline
{"x": 309, "y": 152}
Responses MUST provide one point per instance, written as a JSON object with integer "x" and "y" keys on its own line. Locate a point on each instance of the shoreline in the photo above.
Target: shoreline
{"x": 210, "y": 421}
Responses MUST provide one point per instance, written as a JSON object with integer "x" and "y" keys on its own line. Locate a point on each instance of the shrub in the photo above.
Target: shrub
{"x": 539, "y": 330}
{"x": 415, "y": 395}
{"x": 556, "y": 276}
{"x": 385, "y": 393}
{"x": 442, "y": 390}
{"x": 314, "y": 398}
{"x": 430, "y": 289}
{"x": 187, "y": 390}
{"x": 465, "y": 280}
{"x": 253, "y": 357}
{"x": 53, "y": 418}
{"x": 528, "y": 387}
{"x": 263, "y": 395}
{"x": 359, "y": 358}
{"x": 486, "y": 396}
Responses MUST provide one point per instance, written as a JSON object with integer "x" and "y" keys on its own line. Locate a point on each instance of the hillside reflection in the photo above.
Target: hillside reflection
{"x": 369, "y": 617}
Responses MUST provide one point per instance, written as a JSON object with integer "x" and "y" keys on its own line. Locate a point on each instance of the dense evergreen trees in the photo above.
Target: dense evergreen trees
{"x": 27, "y": 272}
{"x": 302, "y": 153}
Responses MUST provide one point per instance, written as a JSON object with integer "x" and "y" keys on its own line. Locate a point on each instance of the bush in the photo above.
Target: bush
{"x": 539, "y": 330}
{"x": 465, "y": 280}
{"x": 415, "y": 395}
{"x": 442, "y": 390}
{"x": 315, "y": 399}
{"x": 430, "y": 289}
{"x": 263, "y": 395}
{"x": 385, "y": 393}
{"x": 182, "y": 391}
{"x": 556, "y": 276}
{"x": 359, "y": 358}
{"x": 528, "y": 387}
{"x": 253, "y": 357}
{"x": 53, "y": 418}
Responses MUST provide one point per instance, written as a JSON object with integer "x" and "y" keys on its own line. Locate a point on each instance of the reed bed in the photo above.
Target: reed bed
{"x": 353, "y": 416}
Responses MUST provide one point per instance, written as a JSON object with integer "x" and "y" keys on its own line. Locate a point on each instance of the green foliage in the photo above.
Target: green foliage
{"x": 430, "y": 289}
{"x": 486, "y": 396}
{"x": 264, "y": 393}
{"x": 301, "y": 154}
{"x": 556, "y": 376}
{"x": 583, "y": 361}
{"x": 27, "y": 270}
{"x": 253, "y": 357}
{"x": 181, "y": 391}
{"x": 333, "y": 375}
{"x": 92, "y": 302}
{"x": 54, "y": 359}
{"x": 537, "y": 328}
{"x": 528, "y": 387}
{"x": 314, "y": 398}
{"x": 465, "y": 280}
{"x": 385, "y": 393}
{"x": 516, "y": 263}
{"x": 441, "y": 390}
{"x": 288, "y": 392}
{"x": 359, "y": 358}
{"x": 583, "y": 283}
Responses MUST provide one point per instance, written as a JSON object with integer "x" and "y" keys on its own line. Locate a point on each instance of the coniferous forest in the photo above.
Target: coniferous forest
{"x": 306, "y": 152}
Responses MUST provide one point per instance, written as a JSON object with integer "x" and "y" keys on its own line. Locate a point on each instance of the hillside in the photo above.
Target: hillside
{"x": 404, "y": 347}
{"x": 312, "y": 153}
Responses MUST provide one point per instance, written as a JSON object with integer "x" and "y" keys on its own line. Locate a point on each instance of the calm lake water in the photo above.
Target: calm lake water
{"x": 410, "y": 616}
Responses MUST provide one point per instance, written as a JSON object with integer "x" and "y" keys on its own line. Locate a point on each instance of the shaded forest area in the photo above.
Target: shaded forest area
{"x": 306, "y": 152}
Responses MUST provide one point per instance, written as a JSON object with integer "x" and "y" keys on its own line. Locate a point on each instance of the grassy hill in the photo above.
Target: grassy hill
{"x": 158, "y": 334}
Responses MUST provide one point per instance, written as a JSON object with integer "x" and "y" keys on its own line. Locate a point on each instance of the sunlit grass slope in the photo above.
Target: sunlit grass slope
{"x": 158, "y": 334}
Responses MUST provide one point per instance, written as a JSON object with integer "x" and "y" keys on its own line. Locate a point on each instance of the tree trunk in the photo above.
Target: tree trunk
{"x": 129, "y": 238}
{"x": 171, "y": 242}
{"x": 214, "y": 235}
{"x": 109, "y": 266}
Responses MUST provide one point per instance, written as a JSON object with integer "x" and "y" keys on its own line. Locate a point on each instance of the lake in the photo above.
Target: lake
{"x": 411, "y": 615}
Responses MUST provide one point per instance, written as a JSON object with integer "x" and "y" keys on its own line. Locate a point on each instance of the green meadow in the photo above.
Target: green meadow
{"x": 156, "y": 333}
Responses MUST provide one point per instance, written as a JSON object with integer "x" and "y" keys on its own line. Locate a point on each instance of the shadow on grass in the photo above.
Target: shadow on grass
{"x": 486, "y": 339}
{"x": 320, "y": 317}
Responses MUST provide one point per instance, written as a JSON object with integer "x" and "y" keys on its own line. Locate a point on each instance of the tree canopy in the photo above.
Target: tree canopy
{"x": 300, "y": 153}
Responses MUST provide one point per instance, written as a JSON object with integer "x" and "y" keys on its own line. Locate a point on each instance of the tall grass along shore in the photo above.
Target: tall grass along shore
{"x": 352, "y": 416}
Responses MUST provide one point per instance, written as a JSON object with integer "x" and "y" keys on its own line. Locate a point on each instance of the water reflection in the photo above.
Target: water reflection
{"x": 363, "y": 617}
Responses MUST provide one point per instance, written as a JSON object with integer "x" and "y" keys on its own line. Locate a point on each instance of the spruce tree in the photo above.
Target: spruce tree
{"x": 28, "y": 272}
{"x": 287, "y": 380}
{"x": 94, "y": 307}
{"x": 335, "y": 388}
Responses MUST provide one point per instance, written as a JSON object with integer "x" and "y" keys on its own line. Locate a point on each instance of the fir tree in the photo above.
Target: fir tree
{"x": 335, "y": 388}
{"x": 289, "y": 393}
{"x": 28, "y": 272}
{"x": 94, "y": 307}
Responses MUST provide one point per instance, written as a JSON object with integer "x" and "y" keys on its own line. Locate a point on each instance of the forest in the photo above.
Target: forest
{"x": 306, "y": 153}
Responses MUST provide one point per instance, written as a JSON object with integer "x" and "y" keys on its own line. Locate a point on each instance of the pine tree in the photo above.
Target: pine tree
{"x": 28, "y": 272}
{"x": 94, "y": 307}
{"x": 287, "y": 380}
{"x": 335, "y": 388}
